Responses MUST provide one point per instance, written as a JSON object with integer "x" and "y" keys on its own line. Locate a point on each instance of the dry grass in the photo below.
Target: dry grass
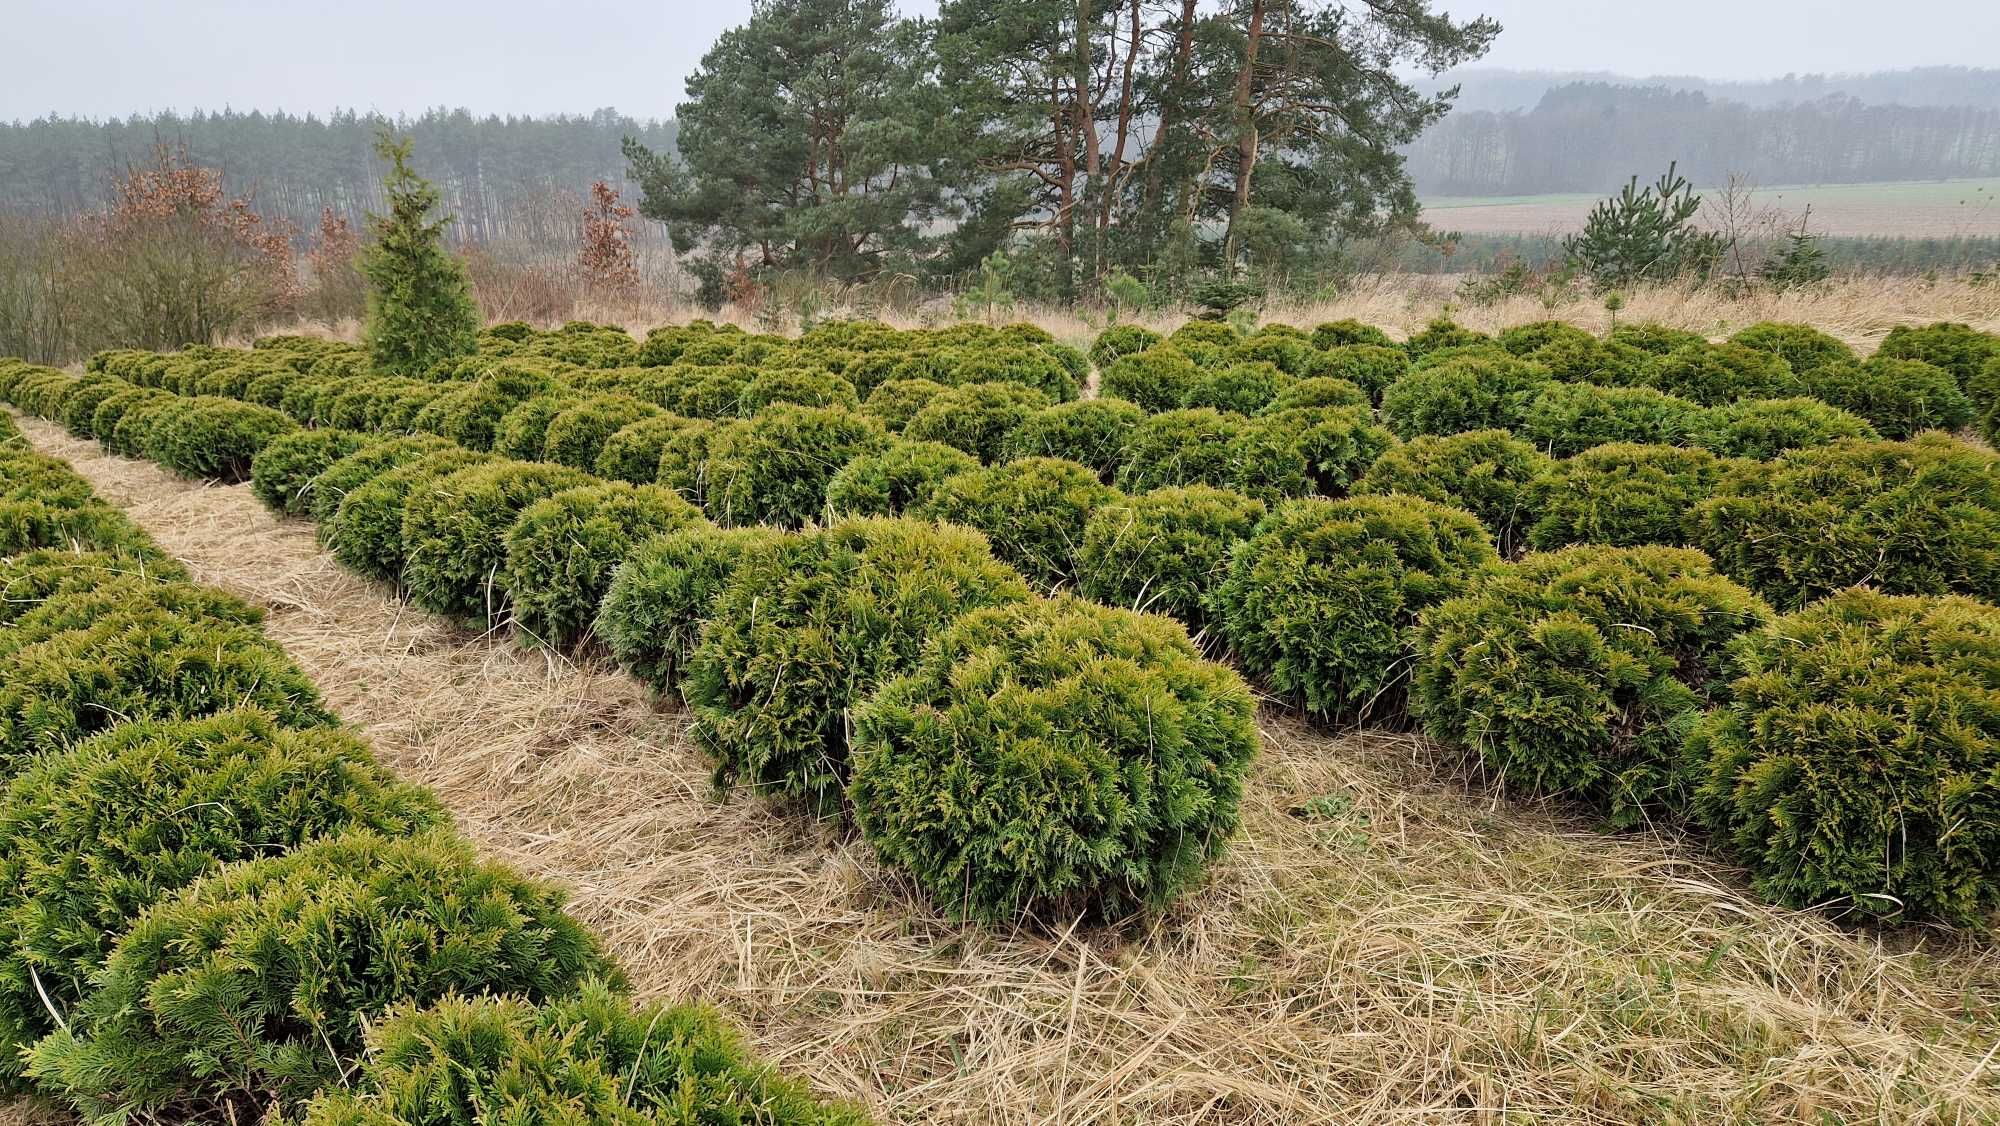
{"x": 1381, "y": 945}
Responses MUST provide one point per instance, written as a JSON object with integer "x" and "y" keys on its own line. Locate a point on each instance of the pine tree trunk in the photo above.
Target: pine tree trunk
{"x": 1246, "y": 135}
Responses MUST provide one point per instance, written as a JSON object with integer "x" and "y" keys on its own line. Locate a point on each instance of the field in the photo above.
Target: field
{"x": 1403, "y": 925}
{"x": 1934, "y": 209}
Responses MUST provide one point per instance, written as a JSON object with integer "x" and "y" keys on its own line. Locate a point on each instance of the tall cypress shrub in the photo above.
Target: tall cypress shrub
{"x": 420, "y": 307}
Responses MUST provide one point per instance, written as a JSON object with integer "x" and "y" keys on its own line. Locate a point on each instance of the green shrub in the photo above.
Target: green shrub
{"x": 1803, "y": 347}
{"x": 1579, "y": 672}
{"x": 632, "y": 453}
{"x": 976, "y": 417}
{"x": 252, "y": 990}
{"x": 806, "y": 628}
{"x": 774, "y": 469}
{"x": 576, "y": 437}
{"x": 1371, "y": 367}
{"x": 142, "y": 664}
{"x": 82, "y": 603}
{"x": 1565, "y": 419}
{"x": 1765, "y": 428}
{"x": 589, "y": 1058}
{"x": 1476, "y": 393}
{"x": 561, "y": 552}
{"x": 1318, "y": 598}
{"x": 1916, "y": 517}
{"x": 286, "y": 470}
{"x": 664, "y": 592}
{"x": 471, "y": 415}
{"x": 455, "y": 532}
{"x": 1713, "y": 374}
{"x": 1340, "y": 334}
{"x": 132, "y": 434}
{"x": 420, "y": 308}
{"x": 1039, "y": 368}
{"x": 902, "y": 475}
{"x": 1657, "y": 339}
{"x": 524, "y": 430}
{"x": 1319, "y": 391}
{"x": 1958, "y": 349}
{"x": 1306, "y": 451}
{"x": 215, "y": 438}
{"x": 80, "y": 405}
{"x": 1528, "y": 339}
{"x": 28, "y": 523}
{"x": 1207, "y": 341}
{"x": 366, "y": 463}
{"x": 710, "y": 392}
{"x": 1157, "y": 379}
{"x": 32, "y": 577}
{"x": 1244, "y": 388}
{"x": 1181, "y": 447}
{"x": 1485, "y": 472}
{"x": 1164, "y": 551}
{"x": 684, "y": 459}
{"x": 896, "y": 402}
{"x": 1623, "y": 495}
{"x": 1603, "y": 362}
{"x": 798, "y": 386}
{"x": 1853, "y": 762}
{"x": 104, "y": 420}
{"x": 1900, "y": 398}
{"x": 366, "y": 531}
{"x": 1033, "y": 510}
{"x": 1090, "y": 432}
{"x": 1054, "y": 758}
{"x": 147, "y": 809}
{"x": 1288, "y": 355}
{"x": 1441, "y": 334}
{"x": 1121, "y": 340}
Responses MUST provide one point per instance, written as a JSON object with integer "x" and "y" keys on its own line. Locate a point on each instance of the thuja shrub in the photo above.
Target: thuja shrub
{"x": 471, "y": 415}
{"x": 1318, "y": 599}
{"x": 976, "y": 417}
{"x": 1657, "y": 339}
{"x": 1712, "y": 374}
{"x": 1157, "y": 379}
{"x": 683, "y": 463}
{"x": 1565, "y": 419}
{"x": 252, "y": 990}
{"x": 1181, "y": 447}
{"x": 1899, "y": 398}
{"x": 592, "y": 1057}
{"x": 1164, "y": 551}
{"x": 774, "y": 469}
{"x": 806, "y": 628}
{"x": 802, "y": 387}
{"x": 1209, "y": 342}
{"x": 1054, "y": 758}
{"x": 78, "y": 605}
{"x": 148, "y": 808}
{"x": 366, "y": 531}
{"x": 562, "y": 551}
{"x": 665, "y": 590}
{"x": 1319, "y": 391}
{"x": 1485, "y": 472}
{"x": 632, "y": 453}
{"x": 1527, "y": 339}
{"x": 1852, "y": 763}
{"x": 1471, "y": 393}
{"x": 1441, "y": 334}
{"x": 455, "y": 532}
{"x": 31, "y": 578}
{"x": 1306, "y": 451}
{"x": 1606, "y": 363}
{"x": 1959, "y": 349}
{"x": 1090, "y": 432}
{"x": 1578, "y": 673}
{"x": 1765, "y": 428}
{"x": 902, "y": 475}
{"x": 142, "y": 664}
{"x": 1623, "y": 495}
{"x": 576, "y": 437}
{"x": 1287, "y": 354}
{"x": 897, "y": 401}
{"x": 1340, "y": 334}
{"x": 29, "y": 522}
{"x": 104, "y": 420}
{"x": 1371, "y": 367}
{"x": 1802, "y": 346}
{"x": 367, "y": 462}
{"x": 1245, "y": 388}
{"x": 284, "y": 472}
{"x": 80, "y": 405}
{"x": 131, "y": 436}
{"x": 1033, "y": 510}
{"x": 1121, "y": 340}
{"x": 524, "y": 430}
{"x": 1916, "y": 517}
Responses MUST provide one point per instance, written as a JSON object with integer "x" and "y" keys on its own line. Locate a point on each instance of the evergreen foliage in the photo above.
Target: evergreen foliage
{"x": 1622, "y": 495}
{"x": 1034, "y": 511}
{"x": 420, "y": 307}
{"x": 1164, "y": 551}
{"x": 665, "y": 591}
{"x": 562, "y": 550}
{"x": 455, "y": 533}
{"x": 1485, "y": 472}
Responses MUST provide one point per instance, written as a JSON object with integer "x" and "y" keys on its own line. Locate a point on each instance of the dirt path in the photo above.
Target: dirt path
{"x": 1379, "y": 945}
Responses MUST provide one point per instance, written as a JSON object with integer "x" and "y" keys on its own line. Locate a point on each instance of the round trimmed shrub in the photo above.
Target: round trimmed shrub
{"x": 1090, "y": 432}
{"x": 1181, "y": 447}
{"x": 524, "y": 430}
{"x": 1900, "y": 398}
{"x": 1916, "y": 517}
{"x": 252, "y": 990}
{"x": 285, "y": 471}
{"x": 1033, "y": 510}
{"x": 1623, "y": 495}
{"x": 1208, "y": 342}
{"x": 1589, "y": 360}
{"x": 1853, "y": 763}
{"x": 1657, "y": 339}
{"x": 1565, "y": 419}
{"x": 1319, "y": 391}
{"x": 1288, "y": 355}
{"x": 1578, "y": 673}
{"x": 587, "y": 1058}
{"x": 1765, "y": 428}
{"x": 774, "y": 469}
{"x": 561, "y": 552}
{"x": 1802, "y": 346}
{"x": 148, "y": 808}
{"x": 1166, "y": 550}
{"x": 1157, "y": 379}
{"x": 1245, "y": 388}
{"x": 28, "y": 523}
{"x": 1528, "y": 339}
{"x": 83, "y": 601}
{"x": 1442, "y": 334}
{"x": 1371, "y": 367}
{"x": 577, "y": 436}
{"x": 1959, "y": 349}
{"x": 1485, "y": 472}
{"x": 80, "y": 405}
{"x": 109, "y": 413}
{"x": 664, "y": 592}
{"x": 215, "y": 438}
{"x": 897, "y": 401}
{"x": 710, "y": 392}
{"x": 976, "y": 417}
{"x": 1713, "y": 374}
{"x": 801, "y": 387}
{"x": 1469, "y": 393}
{"x": 455, "y": 532}
{"x": 1117, "y": 341}
{"x": 1306, "y": 451}
{"x": 29, "y": 579}
{"x": 1318, "y": 599}
{"x": 807, "y": 627}
{"x": 1340, "y": 334}
{"x": 367, "y": 462}
{"x": 1054, "y": 758}
{"x": 684, "y": 458}
{"x": 632, "y": 453}
{"x": 471, "y": 415}
{"x": 366, "y": 531}
{"x": 902, "y": 475}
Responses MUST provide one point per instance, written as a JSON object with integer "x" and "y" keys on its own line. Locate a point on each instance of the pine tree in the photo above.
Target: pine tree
{"x": 1645, "y": 234}
{"x": 420, "y": 307}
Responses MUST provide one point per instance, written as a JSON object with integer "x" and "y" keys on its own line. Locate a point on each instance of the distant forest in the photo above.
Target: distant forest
{"x": 1500, "y": 89}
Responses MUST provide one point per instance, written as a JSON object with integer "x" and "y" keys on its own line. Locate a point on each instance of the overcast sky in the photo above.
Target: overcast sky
{"x": 115, "y": 57}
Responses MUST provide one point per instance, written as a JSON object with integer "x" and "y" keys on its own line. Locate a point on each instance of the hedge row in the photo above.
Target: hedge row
{"x": 215, "y": 905}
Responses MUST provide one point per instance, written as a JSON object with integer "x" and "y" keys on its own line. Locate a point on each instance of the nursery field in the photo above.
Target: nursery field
{"x": 1217, "y": 726}
{"x": 1918, "y": 209}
